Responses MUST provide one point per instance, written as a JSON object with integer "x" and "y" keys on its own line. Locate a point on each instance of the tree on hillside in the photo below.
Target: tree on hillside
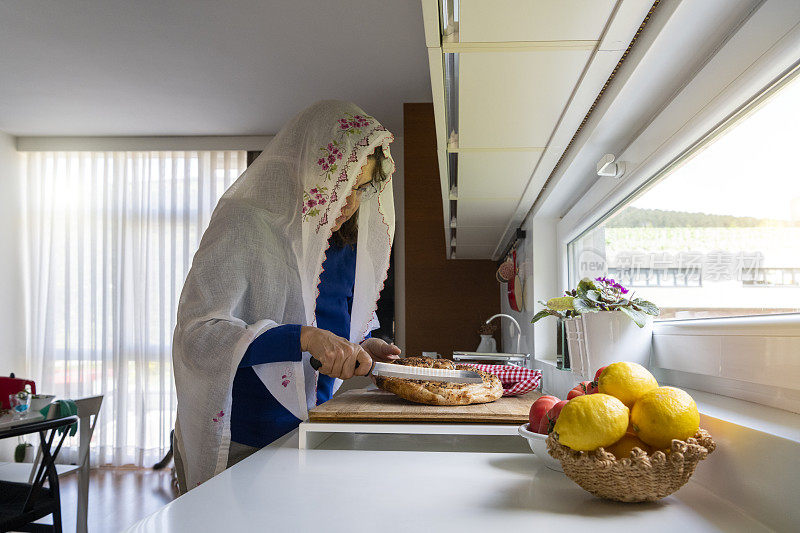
{"x": 634, "y": 217}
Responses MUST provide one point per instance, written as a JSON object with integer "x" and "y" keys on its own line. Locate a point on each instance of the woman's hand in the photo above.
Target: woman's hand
{"x": 337, "y": 355}
{"x": 379, "y": 350}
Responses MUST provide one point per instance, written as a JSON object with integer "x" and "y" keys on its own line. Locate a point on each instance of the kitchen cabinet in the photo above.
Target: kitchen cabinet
{"x": 512, "y": 81}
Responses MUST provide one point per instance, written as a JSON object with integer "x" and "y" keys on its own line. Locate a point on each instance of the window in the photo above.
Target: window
{"x": 109, "y": 240}
{"x": 717, "y": 234}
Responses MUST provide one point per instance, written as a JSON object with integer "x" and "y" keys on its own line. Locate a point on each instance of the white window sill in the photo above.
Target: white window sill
{"x": 755, "y": 359}
{"x": 770, "y": 420}
{"x": 772, "y": 325}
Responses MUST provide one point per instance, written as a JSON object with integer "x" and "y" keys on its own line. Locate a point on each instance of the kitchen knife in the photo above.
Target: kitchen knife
{"x": 388, "y": 370}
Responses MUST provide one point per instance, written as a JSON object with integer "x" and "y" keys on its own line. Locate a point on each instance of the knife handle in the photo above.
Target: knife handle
{"x": 316, "y": 364}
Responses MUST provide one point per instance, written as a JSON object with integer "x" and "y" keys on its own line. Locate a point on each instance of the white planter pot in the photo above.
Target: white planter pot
{"x": 487, "y": 345}
{"x": 595, "y": 340}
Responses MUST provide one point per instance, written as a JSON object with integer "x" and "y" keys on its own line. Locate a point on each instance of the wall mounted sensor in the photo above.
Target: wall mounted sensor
{"x": 607, "y": 167}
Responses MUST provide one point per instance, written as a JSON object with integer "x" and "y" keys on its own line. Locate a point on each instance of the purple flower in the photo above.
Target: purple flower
{"x": 611, "y": 283}
{"x": 330, "y": 146}
{"x": 331, "y": 159}
{"x": 314, "y": 190}
{"x": 322, "y": 201}
{"x": 305, "y": 208}
{"x": 343, "y": 126}
{"x": 312, "y": 203}
{"x": 339, "y": 155}
{"x": 325, "y": 166}
{"x": 320, "y": 161}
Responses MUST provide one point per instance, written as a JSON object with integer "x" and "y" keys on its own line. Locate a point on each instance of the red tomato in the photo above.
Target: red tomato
{"x": 597, "y": 374}
{"x": 552, "y": 416}
{"x": 539, "y": 409}
{"x": 577, "y": 391}
{"x": 544, "y": 425}
{"x": 593, "y": 386}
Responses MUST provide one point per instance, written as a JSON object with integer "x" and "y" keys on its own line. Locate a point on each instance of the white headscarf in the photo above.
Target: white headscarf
{"x": 259, "y": 264}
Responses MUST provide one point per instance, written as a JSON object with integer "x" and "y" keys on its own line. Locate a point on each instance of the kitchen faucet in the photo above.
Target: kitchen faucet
{"x": 514, "y": 320}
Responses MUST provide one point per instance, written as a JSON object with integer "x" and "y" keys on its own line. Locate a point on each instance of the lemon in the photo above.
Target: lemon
{"x": 663, "y": 414}
{"x": 626, "y": 381}
{"x": 590, "y": 421}
{"x": 623, "y": 447}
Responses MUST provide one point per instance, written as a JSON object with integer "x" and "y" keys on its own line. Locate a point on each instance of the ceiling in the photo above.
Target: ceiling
{"x": 522, "y": 68}
{"x": 203, "y": 67}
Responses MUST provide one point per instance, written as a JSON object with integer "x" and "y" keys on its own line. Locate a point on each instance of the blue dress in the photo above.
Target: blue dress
{"x": 257, "y": 418}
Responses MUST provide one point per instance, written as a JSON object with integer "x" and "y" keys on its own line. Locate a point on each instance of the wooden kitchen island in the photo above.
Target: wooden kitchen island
{"x": 377, "y": 483}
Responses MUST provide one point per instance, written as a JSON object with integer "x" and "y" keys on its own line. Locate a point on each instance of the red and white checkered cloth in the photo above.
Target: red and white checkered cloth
{"x": 515, "y": 379}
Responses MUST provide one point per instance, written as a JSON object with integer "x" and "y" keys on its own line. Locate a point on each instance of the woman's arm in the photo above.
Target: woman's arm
{"x": 288, "y": 342}
{"x": 337, "y": 355}
{"x": 281, "y": 343}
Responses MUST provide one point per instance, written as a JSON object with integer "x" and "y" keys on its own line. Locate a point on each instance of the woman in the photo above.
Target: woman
{"x": 291, "y": 266}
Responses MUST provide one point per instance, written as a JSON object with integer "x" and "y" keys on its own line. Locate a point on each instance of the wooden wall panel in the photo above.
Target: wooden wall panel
{"x": 446, "y": 300}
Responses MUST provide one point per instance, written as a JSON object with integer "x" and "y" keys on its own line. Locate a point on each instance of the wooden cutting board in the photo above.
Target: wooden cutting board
{"x": 373, "y": 405}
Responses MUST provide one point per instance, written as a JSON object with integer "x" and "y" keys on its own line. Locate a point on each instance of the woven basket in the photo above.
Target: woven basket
{"x": 640, "y": 478}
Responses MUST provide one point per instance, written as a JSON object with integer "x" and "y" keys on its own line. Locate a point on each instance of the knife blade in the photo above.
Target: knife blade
{"x": 388, "y": 370}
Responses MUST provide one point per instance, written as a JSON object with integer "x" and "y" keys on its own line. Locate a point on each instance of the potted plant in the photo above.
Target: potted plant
{"x": 604, "y": 323}
{"x": 488, "y": 344}
{"x": 23, "y": 452}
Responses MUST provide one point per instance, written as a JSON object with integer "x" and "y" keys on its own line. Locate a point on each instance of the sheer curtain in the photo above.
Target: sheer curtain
{"x": 110, "y": 238}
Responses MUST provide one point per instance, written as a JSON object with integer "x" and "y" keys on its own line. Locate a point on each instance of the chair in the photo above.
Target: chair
{"x": 88, "y": 411}
{"x": 24, "y": 503}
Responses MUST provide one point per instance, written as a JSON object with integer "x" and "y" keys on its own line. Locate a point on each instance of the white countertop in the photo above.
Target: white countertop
{"x": 373, "y": 484}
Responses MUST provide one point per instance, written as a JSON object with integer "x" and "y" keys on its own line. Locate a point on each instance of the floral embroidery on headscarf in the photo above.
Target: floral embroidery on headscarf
{"x": 317, "y": 199}
{"x": 330, "y": 154}
{"x": 352, "y": 124}
{"x": 313, "y": 200}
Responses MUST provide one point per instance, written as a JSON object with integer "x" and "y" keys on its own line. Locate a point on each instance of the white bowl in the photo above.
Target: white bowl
{"x": 539, "y": 447}
{"x": 39, "y": 401}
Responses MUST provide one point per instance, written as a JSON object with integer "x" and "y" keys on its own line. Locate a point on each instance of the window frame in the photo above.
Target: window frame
{"x": 729, "y": 87}
{"x": 736, "y": 117}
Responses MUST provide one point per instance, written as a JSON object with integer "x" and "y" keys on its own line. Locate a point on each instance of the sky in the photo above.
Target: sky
{"x": 752, "y": 170}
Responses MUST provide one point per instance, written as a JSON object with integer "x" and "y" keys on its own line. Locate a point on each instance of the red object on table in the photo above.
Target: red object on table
{"x": 12, "y": 385}
{"x": 516, "y": 380}
{"x": 512, "y": 288}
